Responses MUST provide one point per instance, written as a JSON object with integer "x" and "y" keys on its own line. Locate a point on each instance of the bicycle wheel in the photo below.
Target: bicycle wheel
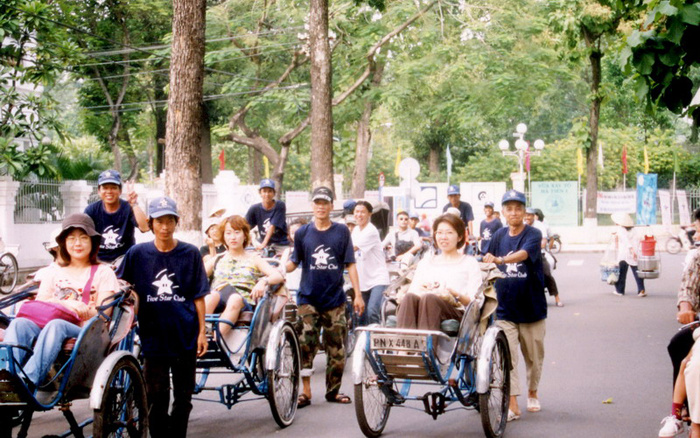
{"x": 10, "y": 272}
{"x": 493, "y": 404}
{"x": 283, "y": 380}
{"x": 673, "y": 245}
{"x": 371, "y": 405}
{"x": 123, "y": 411}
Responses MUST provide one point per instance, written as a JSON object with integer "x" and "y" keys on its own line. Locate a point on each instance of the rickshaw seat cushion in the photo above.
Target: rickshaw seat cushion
{"x": 245, "y": 318}
{"x": 69, "y": 345}
{"x": 449, "y": 326}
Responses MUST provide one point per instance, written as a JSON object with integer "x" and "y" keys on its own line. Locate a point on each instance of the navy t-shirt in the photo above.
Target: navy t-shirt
{"x": 465, "y": 211}
{"x": 167, "y": 284}
{"x": 488, "y": 229}
{"x": 322, "y": 256}
{"x": 117, "y": 229}
{"x": 521, "y": 297}
{"x": 258, "y": 216}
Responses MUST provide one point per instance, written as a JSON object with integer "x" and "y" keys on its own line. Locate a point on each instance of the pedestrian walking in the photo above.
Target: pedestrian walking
{"x": 324, "y": 250}
{"x": 372, "y": 272}
{"x": 270, "y": 218}
{"x": 116, "y": 219}
{"x": 522, "y": 307}
{"x": 169, "y": 278}
{"x": 531, "y": 218}
{"x": 626, "y": 241}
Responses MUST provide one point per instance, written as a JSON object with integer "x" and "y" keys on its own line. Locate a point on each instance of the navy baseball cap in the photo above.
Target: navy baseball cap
{"x": 488, "y": 204}
{"x": 453, "y": 190}
{"x": 322, "y": 193}
{"x": 161, "y": 207}
{"x": 267, "y": 183}
{"x": 530, "y": 210}
{"x": 109, "y": 177}
{"x": 514, "y": 195}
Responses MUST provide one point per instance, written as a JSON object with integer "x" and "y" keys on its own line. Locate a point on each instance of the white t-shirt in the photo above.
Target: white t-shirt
{"x": 371, "y": 263}
{"x": 627, "y": 244}
{"x": 463, "y": 275}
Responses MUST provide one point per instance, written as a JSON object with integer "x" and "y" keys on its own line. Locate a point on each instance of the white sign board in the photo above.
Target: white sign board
{"x": 683, "y": 210}
{"x": 665, "y": 203}
{"x": 617, "y": 202}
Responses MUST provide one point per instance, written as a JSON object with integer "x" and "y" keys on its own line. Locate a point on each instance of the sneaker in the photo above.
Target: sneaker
{"x": 670, "y": 427}
{"x": 617, "y": 293}
{"x": 642, "y": 294}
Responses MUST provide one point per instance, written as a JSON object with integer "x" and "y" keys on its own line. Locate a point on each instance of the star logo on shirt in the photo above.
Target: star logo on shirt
{"x": 321, "y": 256}
{"x": 164, "y": 283}
{"x": 110, "y": 238}
{"x": 487, "y": 234}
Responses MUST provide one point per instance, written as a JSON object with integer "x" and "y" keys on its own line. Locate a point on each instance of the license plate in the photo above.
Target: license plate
{"x": 398, "y": 342}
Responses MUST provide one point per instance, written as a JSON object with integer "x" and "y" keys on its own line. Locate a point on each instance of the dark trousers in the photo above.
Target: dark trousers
{"x": 156, "y": 372}
{"x": 679, "y": 347}
{"x": 549, "y": 281}
{"x": 620, "y": 285}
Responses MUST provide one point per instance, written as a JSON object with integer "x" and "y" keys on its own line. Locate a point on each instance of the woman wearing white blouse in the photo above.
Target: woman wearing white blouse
{"x": 443, "y": 284}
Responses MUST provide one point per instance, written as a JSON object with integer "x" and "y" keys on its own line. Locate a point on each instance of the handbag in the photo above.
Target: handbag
{"x": 43, "y": 312}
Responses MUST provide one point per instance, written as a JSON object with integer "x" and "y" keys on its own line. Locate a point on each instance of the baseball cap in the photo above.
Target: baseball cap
{"x": 161, "y": 207}
{"x": 322, "y": 192}
{"x": 530, "y": 210}
{"x": 77, "y": 220}
{"x": 453, "y": 211}
{"x": 109, "y": 177}
{"x": 350, "y": 220}
{"x": 514, "y": 195}
{"x": 488, "y": 204}
{"x": 413, "y": 216}
{"x": 453, "y": 190}
{"x": 267, "y": 183}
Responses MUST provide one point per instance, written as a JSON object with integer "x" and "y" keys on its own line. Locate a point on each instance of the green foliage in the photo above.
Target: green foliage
{"x": 82, "y": 158}
{"x": 37, "y": 160}
{"x": 663, "y": 53}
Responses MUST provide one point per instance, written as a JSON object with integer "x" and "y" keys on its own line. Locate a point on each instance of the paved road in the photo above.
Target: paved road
{"x": 599, "y": 347}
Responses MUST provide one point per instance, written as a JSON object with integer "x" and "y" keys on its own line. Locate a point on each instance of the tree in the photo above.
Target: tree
{"x": 184, "y": 124}
{"x": 663, "y": 53}
{"x": 587, "y": 25}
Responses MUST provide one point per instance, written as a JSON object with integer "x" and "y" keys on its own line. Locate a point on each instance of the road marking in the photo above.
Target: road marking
{"x": 578, "y": 262}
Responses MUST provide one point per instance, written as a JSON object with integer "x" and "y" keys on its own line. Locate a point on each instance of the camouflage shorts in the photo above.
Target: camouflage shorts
{"x": 335, "y": 330}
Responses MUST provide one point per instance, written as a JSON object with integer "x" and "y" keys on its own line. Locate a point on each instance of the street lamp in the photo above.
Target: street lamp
{"x": 521, "y": 147}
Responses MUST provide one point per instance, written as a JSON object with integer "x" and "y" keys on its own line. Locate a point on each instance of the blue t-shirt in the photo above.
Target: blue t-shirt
{"x": 465, "y": 211}
{"x": 488, "y": 229}
{"x": 167, "y": 284}
{"x": 322, "y": 256}
{"x": 117, "y": 229}
{"x": 521, "y": 296}
{"x": 258, "y": 216}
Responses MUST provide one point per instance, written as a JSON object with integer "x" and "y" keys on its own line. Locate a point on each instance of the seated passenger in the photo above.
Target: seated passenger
{"x": 240, "y": 278}
{"x": 78, "y": 245}
{"x": 443, "y": 284}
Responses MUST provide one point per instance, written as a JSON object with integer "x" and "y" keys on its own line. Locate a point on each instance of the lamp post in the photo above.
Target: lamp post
{"x": 521, "y": 147}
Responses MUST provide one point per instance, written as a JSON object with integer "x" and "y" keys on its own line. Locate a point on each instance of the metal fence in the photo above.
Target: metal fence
{"x": 39, "y": 201}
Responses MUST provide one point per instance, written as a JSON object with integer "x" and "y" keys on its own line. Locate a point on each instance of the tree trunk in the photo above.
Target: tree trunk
{"x": 184, "y": 122}
{"x": 161, "y": 120}
{"x": 592, "y": 157}
{"x": 364, "y": 138}
{"x": 434, "y": 160}
{"x": 207, "y": 173}
{"x": 113, "y": 138}
{"x": 321, "y": 103}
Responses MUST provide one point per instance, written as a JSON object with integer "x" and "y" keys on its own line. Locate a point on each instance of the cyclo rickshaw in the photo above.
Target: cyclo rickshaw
{"x": 260, "y": 353}
{"x": 466, "y": 364}
{"x": 99, "y": 364}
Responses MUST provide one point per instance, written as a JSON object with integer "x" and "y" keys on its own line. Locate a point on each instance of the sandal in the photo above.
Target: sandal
{"x": 533, "y": 405}
{"x": 303, "y": 401}
{"x": 512, "y": 416}
{"x": 560, "y": 304}
{"x": 338, "y": 398}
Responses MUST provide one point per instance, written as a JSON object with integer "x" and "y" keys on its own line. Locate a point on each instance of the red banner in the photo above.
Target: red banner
{"x": 624, "y": 159}
{"x": 222, "y": 160}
